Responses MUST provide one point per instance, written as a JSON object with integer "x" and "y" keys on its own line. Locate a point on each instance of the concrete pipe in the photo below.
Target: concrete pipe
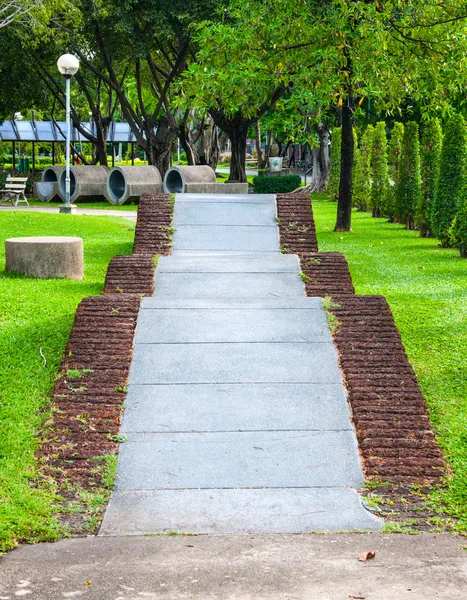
{"x": 46, "y": 190}
{"x": 87, "y": 183}
{"x": 126, "y": 184}
{"x": 179, "y": 180}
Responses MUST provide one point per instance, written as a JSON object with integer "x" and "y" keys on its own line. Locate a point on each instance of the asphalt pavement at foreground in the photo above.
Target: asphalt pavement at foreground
{"x": 240, "y": 567}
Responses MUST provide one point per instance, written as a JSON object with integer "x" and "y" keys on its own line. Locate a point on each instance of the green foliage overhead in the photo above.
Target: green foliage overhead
{"x": 281, "y": 184}
{"x": 379, "y": 170}
{"x": 409, "y": 188}
{"x": 430, "y": 154}
{"x": 390, "y": 49}
{"x": 362, "y": 170}
{"x": 335, "y": 163}
{"x": 452, "y": 178}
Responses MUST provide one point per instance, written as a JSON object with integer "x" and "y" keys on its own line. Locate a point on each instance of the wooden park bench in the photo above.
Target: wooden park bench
{"x": 14, "y": 190}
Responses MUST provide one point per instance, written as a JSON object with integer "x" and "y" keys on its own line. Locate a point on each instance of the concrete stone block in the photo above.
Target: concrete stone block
{"x": 216, "y": 188}
{"x": 221, "y": 197}
{"x": 296, "y": 302}
{"x": 226, "y": 238}
{"x": 168, "y": 326}
{"x": 280, "y": 511}
{"x": 234, "y": 363}
{"x": 237, "y": 213}
{"x": 46, "y": 257}
{"x": 259, "y": 459}
{"x": 272, "y": 262}
{"x": 235, "y": 407}
{"x": 222, "y": 285}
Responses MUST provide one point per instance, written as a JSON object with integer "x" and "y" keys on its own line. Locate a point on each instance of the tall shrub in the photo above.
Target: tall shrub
{"x": 335, "y": 163}
{"x": 379, "y": 170}
{"x": 394, "y": 161}
{"x": 394, "y": 151}
{"x": 430, "y": 158}
{"x": 458, "y": 229}
{"x": 409, "y": 188}
{"x": 362, "y": 171}
{"x": 452, "y": 179}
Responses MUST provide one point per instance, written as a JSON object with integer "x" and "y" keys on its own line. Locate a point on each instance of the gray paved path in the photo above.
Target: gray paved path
{"x": 237, "y": 419}
{"x": 240, "y": 567}
{"x": 96, "y": 212}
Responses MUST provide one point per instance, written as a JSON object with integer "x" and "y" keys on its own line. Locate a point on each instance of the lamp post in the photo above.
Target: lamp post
{"x": 68, "y": 66}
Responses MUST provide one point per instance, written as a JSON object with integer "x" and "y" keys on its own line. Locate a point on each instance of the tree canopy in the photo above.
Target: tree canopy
{"x": 336, "y": 52}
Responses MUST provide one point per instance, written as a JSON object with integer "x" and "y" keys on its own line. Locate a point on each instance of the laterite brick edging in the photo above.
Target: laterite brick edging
{"x": 130, "y": 274}
{"x": 87, "y": 409}
{"x": 89, "y": 394}
{"x": 327, "y": 274}
{"x": 153, "y": 232}
{"x": 395, "y": 436}
{"x": 296, "y": 223}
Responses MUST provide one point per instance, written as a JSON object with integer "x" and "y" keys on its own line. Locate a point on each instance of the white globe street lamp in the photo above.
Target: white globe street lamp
{"x": 68, "y": 66}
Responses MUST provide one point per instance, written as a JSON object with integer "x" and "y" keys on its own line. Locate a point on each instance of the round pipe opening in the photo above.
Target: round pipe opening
{"x": 50, "y": 175}
{"x": 174, "y": 182}
{"x": 117, "y": 185}
{"x": 62, "y": 183}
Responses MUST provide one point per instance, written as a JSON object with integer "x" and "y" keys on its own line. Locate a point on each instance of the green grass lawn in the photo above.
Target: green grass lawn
{"x": 35, "y": 318}
{"x": 426, "y": 287}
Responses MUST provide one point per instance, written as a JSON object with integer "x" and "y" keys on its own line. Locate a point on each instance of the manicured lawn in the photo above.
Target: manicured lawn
{"x": 426, "y": 287}
{"x": 35, "y": 320}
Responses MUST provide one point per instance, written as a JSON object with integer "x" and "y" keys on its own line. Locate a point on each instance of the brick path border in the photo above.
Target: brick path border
{"x": 395, "y": 436}
{"x": 89, "y": 394}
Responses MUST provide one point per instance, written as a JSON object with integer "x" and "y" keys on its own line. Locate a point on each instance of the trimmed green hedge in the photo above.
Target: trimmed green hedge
{"x": 452, "y": 180}
{"x": 280, "y": 184}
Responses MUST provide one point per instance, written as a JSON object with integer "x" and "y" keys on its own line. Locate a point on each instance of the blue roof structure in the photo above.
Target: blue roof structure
{"x": 50, "y": 131}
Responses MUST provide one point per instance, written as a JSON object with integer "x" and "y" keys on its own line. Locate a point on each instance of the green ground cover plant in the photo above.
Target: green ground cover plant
{"x": 276, "y": 185}
{"x": 426, "y": 288}
{"x": 35, "y": 321}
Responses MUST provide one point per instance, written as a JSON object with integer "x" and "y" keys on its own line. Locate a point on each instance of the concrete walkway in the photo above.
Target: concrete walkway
{"x": 240, "y": 567}
{"x": 96, "y": 212}
{"x": 236, "y": 419}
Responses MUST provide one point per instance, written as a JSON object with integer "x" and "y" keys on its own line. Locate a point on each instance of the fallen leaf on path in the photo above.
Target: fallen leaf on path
{"x": 358, "y": 597}
{"x": 366, "y": 556}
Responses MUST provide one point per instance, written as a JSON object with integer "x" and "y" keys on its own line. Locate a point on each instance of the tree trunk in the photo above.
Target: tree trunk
{"x": 259, "y": 150}
{"x": 191, "y": 152}
{"x": 101, "y": 154}
{"x": 344, "y": 203}
{"x": 159, "y": 144}
{"x": 210, "y": 145}
{"x": 315, "y": 179}
{"x": 238, "y": 137}
{"x": 100, "y": 143}
{"x": 324, "y": 156}
{"x": 237, "y": 129}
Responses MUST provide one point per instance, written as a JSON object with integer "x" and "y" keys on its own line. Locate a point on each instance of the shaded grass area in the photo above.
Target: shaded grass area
{"x": 35, "y": 321}
{"x": 426, "y": 287}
